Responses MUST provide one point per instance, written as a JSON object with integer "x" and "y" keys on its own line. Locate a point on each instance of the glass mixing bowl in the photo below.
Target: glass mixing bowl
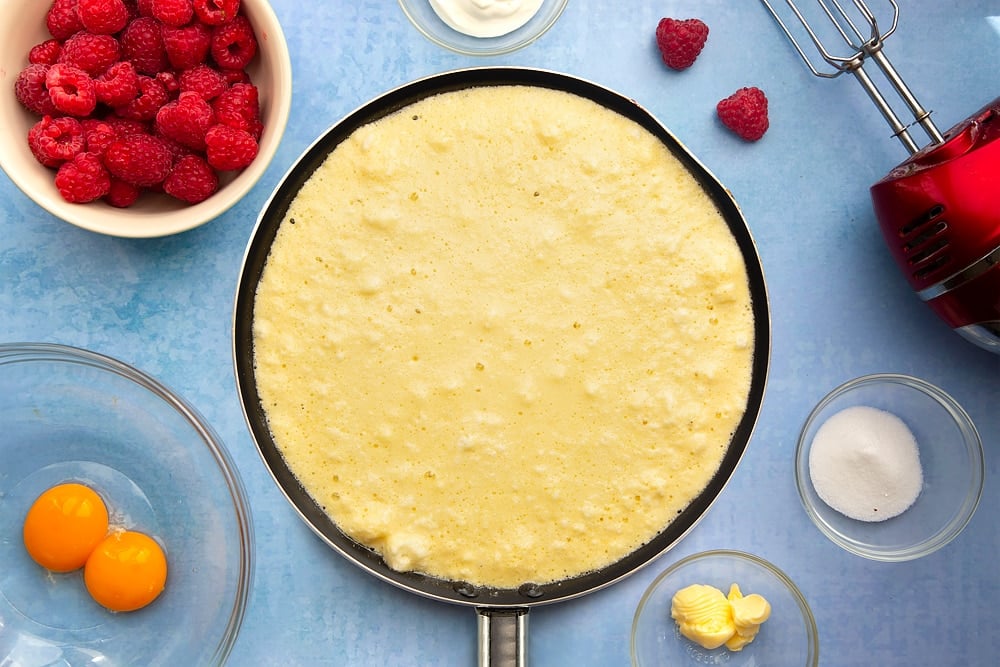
{"x": 72, "y": 415}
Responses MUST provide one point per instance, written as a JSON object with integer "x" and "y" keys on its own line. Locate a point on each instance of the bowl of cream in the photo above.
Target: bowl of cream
{"x": 889, "y": 467}
{"x": 483, "y": 27}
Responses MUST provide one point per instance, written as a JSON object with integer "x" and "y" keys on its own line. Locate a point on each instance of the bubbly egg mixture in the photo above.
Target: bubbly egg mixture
{"x": 503, "y": 336}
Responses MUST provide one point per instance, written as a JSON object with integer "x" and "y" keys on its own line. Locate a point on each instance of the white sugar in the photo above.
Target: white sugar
{"x": 865, "y": 464}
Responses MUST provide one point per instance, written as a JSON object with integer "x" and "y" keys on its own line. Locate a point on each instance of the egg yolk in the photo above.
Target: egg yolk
{"x": 126, "y": 571}
{"x": 64, "y": 525}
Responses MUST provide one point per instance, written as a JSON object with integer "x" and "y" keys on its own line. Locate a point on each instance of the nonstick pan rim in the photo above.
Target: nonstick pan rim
{"x": 255, "y": 258}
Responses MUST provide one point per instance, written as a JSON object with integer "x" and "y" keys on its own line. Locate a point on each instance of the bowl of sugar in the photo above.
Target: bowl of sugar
{"x": 889, "y": 467}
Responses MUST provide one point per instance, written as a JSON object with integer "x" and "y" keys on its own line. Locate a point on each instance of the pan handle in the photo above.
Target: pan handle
{"x": 503, "y": 634}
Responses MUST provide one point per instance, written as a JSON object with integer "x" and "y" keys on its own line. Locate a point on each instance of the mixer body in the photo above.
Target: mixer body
{"x": 939, "y": 212}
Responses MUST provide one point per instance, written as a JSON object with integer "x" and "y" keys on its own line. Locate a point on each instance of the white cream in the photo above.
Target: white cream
{"x": 485, "y": 18}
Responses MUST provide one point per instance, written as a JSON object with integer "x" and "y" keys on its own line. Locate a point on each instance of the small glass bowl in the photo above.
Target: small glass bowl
{"x": 951, "y": 457}
{"x": 72, "y": 415}
{"x": 426, "y": 20}
{"x": 787, "y": 639}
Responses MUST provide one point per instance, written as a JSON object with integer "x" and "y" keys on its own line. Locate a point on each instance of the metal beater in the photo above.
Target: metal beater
{"x": 939, "y": 211}
{"x": 864, "y": 45}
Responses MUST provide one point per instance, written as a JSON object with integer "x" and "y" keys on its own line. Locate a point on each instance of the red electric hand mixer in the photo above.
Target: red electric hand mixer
{"x": 939, "y": 210}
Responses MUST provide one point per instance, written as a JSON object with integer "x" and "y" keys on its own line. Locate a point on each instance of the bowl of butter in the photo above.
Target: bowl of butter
{"x": 724, "y": 607}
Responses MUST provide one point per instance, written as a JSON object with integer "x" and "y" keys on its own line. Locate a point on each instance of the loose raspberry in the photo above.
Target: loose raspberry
{"x": 62, "y": 19}
{"x": 745, "y": 113}
{"x": 118, "y": 85}
{"x": 173, "y": 12}
{"x": 56, "y": 140}
{"x": 152, "y": 96}
{"x": 680, "y": 41}
{"x": 140, "y": 159}
{"x": 239, "y": 107}
{"x": 102, "y": 17}
{"x": 142, "y": 44}
{"x": 97, "y": 135}
{"x": 204, "y": 80}
{"x": 91, "y": 53}
{"x": 228, "y": 148}
{"x": 30, "y": 90}
{"x": 144, "y": 7}
{"x": 46, "y": 53}
{"x": 83, "y": 179}
{"x": 216, "y": 12}
{"x": 192, "y": 180}
{"x": 122, "y": 194}
{"x": 71, "y": 89}
{"x": 234, "y": 44}
{"x": 187, "y": 46}
{"x": 186, "y": 120}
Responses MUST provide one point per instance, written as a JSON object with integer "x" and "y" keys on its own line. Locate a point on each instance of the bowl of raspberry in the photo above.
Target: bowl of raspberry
{"x": 141, "y": 118}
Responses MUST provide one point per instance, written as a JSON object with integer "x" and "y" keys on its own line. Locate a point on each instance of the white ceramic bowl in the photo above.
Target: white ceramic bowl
{"x": 787, "y": 639}
{"x": 22, "y": 25}
{"x": 426, "y": 20}
{"x": 73, "y": 415}
{"x": 951, "y": 459}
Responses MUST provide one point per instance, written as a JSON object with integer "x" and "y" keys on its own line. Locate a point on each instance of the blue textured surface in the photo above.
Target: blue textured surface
{"x": 839, "y": 306}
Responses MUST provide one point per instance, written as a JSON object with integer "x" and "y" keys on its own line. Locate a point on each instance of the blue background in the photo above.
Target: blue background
{"x": 840, "y": 309}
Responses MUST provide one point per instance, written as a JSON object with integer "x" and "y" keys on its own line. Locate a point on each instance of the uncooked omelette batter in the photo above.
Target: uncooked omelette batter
{"x": 503, "y": 336}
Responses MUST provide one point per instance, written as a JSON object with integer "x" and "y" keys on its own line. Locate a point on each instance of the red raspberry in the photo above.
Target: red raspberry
{"x": 126, "y": 126}
{"x": 30, "y": 90}
{"x": 91, "y": 53}
{"x": 745, "y": 113}
{"x": 192, "y": 180}
{"x": 122, "y": 194}
{"x": 144, "y": 7}
{"x": 186, "y": 46}
{"x": 62, "y": 19}
{"x": 234, "y": 44}
{"x": 680, "y": 42}
{"x": 56, "y": 140}
{"x": 239, "y": 107}
{"x": 46, "y": 53}
{"x": 140, "y": 159}
{"x": 132, "y": 10}
{"x": 185, "y": 120}
{"x": 216, "y": 12}
{"x": 228, "y": 148}
{"x": 235, "y": 76}
{"x": 97, "y": 135}
{"x": 102, "y": 17}
{"x": 173, "y": 12}
{"x": 118, "y": 85}
{"x": 177, "y": 149}
{"x": 152, "y": 96}
{"x": 83, "y": 179}
{"x": 204, "y": 80}
{"x": 71, "y": 89}
{"x": 142, "y": 43}
{"x": 171, "y": 83}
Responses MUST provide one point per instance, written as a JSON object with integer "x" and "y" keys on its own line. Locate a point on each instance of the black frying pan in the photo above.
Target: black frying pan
{"x": 502, "y": 612}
